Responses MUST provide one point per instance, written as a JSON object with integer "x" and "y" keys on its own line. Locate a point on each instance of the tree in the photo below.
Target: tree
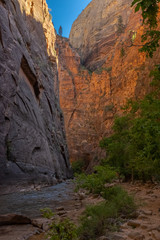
{"x": 151, "y": 35}
{"x": 60, "y": 31}
{"x": 134, "y": 147}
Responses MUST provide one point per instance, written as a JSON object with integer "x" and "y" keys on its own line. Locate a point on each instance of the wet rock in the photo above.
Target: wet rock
{"x": 10, "y": 219}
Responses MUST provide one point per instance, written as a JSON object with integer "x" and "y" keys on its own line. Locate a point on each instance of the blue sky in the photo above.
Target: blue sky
{"x": 64, "y": 12}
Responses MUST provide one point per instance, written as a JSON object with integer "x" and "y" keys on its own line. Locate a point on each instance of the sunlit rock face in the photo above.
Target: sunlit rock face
{"x": 91, "y": 99}
{"x": 93, "y": 33}
{"x": 32, "y": 136}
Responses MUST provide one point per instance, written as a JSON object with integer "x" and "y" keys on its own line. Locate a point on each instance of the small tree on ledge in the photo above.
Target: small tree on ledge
{"x": 60, "y": 31}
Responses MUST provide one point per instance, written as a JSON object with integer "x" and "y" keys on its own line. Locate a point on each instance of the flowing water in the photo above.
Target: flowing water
{"x": 30, "y": 203}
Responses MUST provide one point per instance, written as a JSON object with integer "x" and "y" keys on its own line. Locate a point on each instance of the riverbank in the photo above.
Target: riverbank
{"x": 144, "y": 225}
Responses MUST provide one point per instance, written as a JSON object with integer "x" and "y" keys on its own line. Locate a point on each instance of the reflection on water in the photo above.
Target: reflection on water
{"x": 30, "y": 203}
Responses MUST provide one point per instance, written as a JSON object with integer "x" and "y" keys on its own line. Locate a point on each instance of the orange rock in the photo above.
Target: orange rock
{"x": 90, "y": 100}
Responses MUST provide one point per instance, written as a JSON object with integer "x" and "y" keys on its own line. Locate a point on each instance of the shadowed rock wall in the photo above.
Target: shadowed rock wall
{"x": 32, "y": 136}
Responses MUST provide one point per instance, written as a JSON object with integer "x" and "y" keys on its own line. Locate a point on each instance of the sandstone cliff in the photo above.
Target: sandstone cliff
{"x": 32, "y": 137}
{"x": 91, "y": 99}
{"x": 94, "y": 32}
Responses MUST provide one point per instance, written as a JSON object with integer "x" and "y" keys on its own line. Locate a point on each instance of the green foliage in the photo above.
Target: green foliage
{"x": 94, "y": 182}
{"x": 78, "y": 166}
{"x": 106, "y": 215}
{"x": 47, "y": 213}
{"x": 134, "y": 35}
{"x": 63, "y": 230}
{"x": 151, "y": 37}
{"x": 60, "y": 31}
{"x": 149, "y": 11}
{"x": 150, "y": 46}
{"x": 134, "y": 147}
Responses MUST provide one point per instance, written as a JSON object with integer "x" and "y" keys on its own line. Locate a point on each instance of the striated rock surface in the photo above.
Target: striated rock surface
{"x": 91, "y": 99}
{"x": 32, "y": 137}
{"x": 95, "y": 31}
{"x": 79, "y": 100}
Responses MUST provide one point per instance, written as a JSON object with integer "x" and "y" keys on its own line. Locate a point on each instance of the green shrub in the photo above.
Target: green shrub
{"x": 106, "y": 215}
{"x": 78, "y": 166}
{"x": 134, "y": 147}
{"x": 63, "y": 230}
{"x": 47, "y": 213}
{"x": 94, "y": 182}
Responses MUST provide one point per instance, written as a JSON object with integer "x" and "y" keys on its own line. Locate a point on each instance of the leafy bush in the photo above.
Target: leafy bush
{"x": 63, "y": 230}
{"x": 106, "y": 215}
{"x": 134, "y": 147}
{"x": 47, "y": 213}
{"x": 94, "y": 182}
{"x": 78, "y": 166}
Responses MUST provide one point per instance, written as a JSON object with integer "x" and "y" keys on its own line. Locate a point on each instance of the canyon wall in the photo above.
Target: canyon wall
{"x": 93, "y": 33}
{"x": 100, "y": 67}
{"x": 32, "y": 136}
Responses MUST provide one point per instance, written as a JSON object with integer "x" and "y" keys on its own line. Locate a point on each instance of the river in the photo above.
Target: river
{"x": 29, "y": 203}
